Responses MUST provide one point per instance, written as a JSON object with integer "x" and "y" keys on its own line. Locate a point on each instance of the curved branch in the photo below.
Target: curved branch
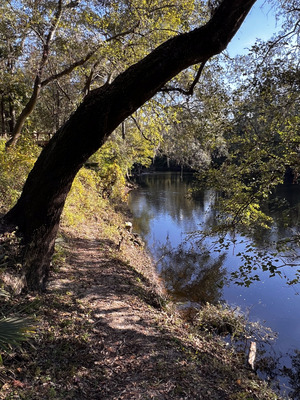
{"x": 190, "y": 91}
{"x": 140, "y": 129}
{"x": 68, "y": 69}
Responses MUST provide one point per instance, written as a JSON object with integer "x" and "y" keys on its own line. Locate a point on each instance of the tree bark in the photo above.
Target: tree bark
{"x": 38, "y": 211}
{"x": 26, "y": 112}
{"x": 12, "y": 114}
{"x": 3, "y": 117}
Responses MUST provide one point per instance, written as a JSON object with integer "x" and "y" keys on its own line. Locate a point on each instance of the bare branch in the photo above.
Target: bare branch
{"x": 140, "y": 129}
{"x": 38, "y": 34}
{"x": 49, "y": 37}
{"x": 83, "y": 60}
{"x": 69, "y": 69}
{"x": 131, "y": 30}
{"x": 190, "y": 91}
{"x": 272, "y": 44}
{"x": 64, "y": 92}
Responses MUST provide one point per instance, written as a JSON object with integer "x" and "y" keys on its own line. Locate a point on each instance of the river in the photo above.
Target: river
{"x": 194, "y": 273}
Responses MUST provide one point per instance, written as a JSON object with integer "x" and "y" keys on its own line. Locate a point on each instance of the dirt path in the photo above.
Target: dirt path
{"x": 103, "y": 335}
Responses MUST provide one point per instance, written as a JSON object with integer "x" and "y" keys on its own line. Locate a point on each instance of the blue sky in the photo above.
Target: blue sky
{"x": 260, "y": 23}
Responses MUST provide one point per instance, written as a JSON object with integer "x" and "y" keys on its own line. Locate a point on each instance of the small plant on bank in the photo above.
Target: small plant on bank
{"x": 225, "y": 321}
{"x": 221, "y": 320}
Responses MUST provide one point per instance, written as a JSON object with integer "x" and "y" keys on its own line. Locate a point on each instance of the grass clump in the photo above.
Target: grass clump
{"x": 223, "y": 320}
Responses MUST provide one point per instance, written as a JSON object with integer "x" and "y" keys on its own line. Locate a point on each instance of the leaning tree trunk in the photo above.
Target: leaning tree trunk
{"x": 38, "y": 211}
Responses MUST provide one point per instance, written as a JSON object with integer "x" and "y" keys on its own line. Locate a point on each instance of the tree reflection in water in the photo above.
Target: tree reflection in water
{"x": 163, "y": 209}
{"x": 191, "y": 276}
{"x": 293, "y": 374}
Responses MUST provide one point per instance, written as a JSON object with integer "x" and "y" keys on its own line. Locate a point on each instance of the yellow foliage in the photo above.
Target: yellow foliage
{"x": 85, "y": 205}
{"x": 117, "y": 156}
{"x": 112, "y": 181}
{"x": 15, "y": 165}
{"x": 83, "y": 201}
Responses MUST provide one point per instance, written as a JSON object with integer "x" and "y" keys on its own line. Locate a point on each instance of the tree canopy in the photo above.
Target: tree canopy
{"x": 94, "y": 55}
{"x": 70, "y": 47}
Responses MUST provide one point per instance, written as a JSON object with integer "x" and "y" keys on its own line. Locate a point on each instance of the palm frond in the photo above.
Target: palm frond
{"x": 14, "y": 330}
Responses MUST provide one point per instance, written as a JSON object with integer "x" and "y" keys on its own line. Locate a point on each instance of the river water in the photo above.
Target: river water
{"x": 200, "y": 272}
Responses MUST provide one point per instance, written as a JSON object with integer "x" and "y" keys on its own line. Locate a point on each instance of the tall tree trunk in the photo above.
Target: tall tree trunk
{"x": 38, "y": 211}
{"x": 12, "y": 114}
{"x": 57, "y": 109}
{"x": 29, "y": 107}
{"x": 3, "y": 118}
{"x": 26, "y": 112}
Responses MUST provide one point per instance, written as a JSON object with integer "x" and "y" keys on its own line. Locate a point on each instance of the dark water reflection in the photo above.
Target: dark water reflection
{"x": 163, "y": 215}
{"x": 191, "y": 276}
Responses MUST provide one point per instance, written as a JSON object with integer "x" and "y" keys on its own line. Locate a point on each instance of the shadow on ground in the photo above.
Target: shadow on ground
{"x": 101, "y": 335}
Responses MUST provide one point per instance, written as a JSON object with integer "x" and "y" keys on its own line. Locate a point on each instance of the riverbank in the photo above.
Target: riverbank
{"x": 106, "y": 330}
